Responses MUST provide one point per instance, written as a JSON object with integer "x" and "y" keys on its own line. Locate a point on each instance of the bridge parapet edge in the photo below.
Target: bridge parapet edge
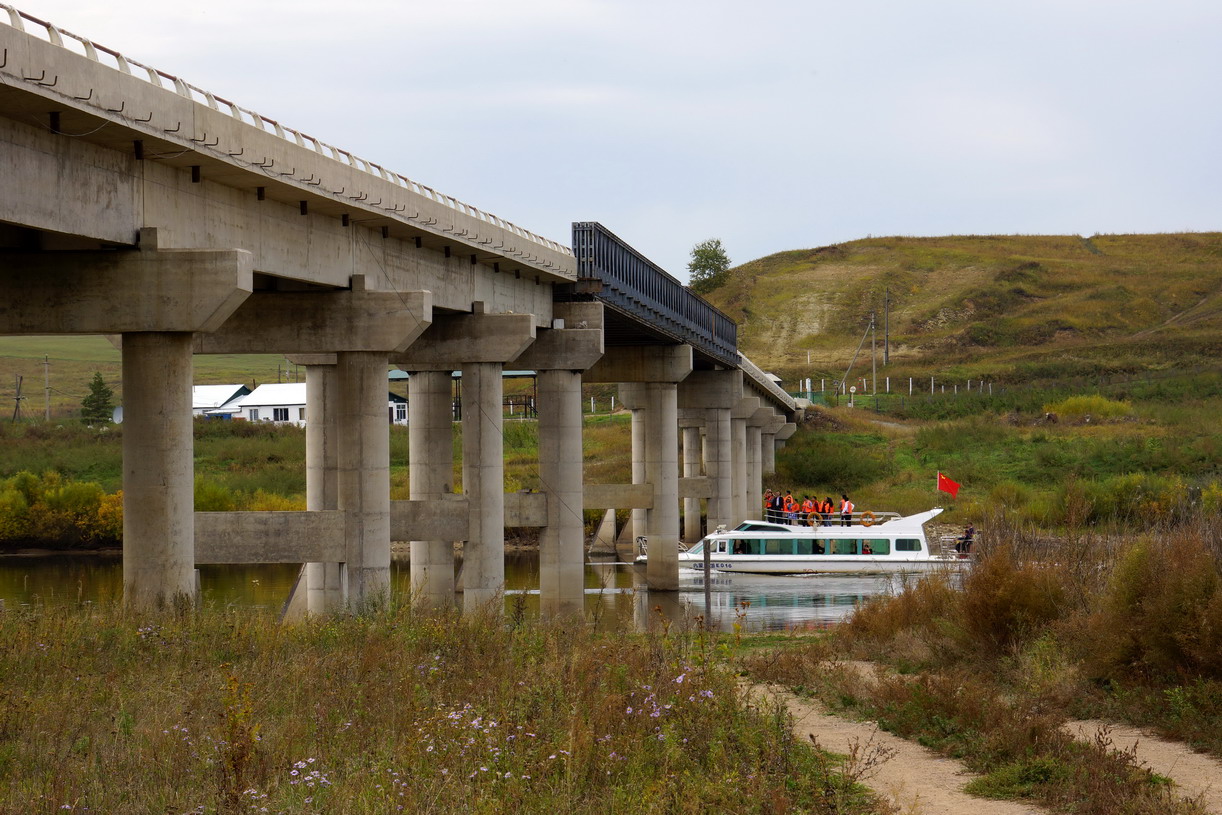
{"x": 102, "y": 82}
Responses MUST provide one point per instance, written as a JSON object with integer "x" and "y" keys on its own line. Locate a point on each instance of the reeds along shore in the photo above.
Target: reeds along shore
{"x": 1042, "y": 630}
{"x": 224, "y": 711}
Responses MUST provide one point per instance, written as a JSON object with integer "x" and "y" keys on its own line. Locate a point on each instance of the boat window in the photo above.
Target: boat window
{"x": 808, "y": 546}
{"x": 697, "y": 548}
{"x": 747, "y": 547}
{"x": 876, "y": 546}
{"x": 843, "y": 546}
{"x": 778, "y": 547}
{"x": 719, "y": 547}
{"x": 908, "y": 545}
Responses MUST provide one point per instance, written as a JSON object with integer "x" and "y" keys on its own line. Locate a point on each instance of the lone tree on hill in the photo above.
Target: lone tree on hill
{"x": 709, "y": 266}
{"x": 96, "y": 407}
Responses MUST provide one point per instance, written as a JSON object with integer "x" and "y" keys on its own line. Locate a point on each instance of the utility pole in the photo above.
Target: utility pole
{"x": 873, "y": 362}
{"x": 886, "y": 327}
{"x": 17, "y": 401}
{"x": 46, "y": 385}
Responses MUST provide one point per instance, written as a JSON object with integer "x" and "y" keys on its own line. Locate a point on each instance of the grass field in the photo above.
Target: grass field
{"x": 66, "y": 364}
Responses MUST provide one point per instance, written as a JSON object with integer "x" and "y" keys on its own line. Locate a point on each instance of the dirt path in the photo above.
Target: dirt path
{"x": 1194, "y": 774}
{"x": 916, "y": 780}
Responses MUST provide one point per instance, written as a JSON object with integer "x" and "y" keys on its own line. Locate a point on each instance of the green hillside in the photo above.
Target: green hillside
{"x": 1005, "y": 308}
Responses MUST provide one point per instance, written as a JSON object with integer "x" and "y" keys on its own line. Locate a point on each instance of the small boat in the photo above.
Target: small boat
{"x": 871, "y": 545}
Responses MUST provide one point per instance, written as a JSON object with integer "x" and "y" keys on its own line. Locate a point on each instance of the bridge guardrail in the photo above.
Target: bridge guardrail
{"x": 158, "y": 78}
{"x": 638, "y": 286}
{"x": 761, "y": 380}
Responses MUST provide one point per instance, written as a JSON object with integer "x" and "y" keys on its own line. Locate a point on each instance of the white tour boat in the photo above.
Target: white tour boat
{"x": 870, "y": 545}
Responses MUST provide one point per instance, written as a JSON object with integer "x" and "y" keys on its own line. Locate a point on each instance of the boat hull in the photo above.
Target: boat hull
{"x": 761, "y": 564}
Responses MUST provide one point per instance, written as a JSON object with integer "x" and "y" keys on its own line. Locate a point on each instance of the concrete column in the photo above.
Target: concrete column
{"x": 662, "y": 470}
{"x": 158, "y": 470}
{"x": 364, "y": 474}
{"x": 718, "y": 466}
{"x": 691, "y": 469}
{"x": 483, "y": 478}
{"x": 755, "y": 480}
{"x": 324, "y": 581}
{"x": 628, "y": 396}
{"x": 738, "y": 470}
{"x": 431, "y": 475}
{"x": 768, "y": 451}
{"x": 561, "y": 550}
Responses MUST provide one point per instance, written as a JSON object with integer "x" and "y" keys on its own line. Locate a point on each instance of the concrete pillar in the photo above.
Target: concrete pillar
{"x": 768, "y": 451}
{"x": 755, "y": 481}
{"x": 631, "y": 400}
{"x": 324, "y": 581}
{"x": 662, "y": 470}
{"x": 561, "y": 550}
{"x": 691, "y": 469}
{"x": 718, "y": 465}
{"x": 483, "y": 478}
{"x": 738, "y": 470}
{"x": 431, "y": 475}
{"x": 364, "y": 474}
{"x": 158, "y": 470}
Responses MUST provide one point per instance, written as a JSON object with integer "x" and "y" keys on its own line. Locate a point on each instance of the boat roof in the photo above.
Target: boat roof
{"x": 908, "y": 524}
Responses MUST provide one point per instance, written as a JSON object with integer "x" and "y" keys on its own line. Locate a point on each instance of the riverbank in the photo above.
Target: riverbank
{"x": 1041, "y": 634}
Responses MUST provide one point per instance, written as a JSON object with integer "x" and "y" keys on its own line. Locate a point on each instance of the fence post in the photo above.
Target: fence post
{"x": 931, "y": 384}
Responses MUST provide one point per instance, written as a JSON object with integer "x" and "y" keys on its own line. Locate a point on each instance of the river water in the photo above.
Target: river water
{"x": 615, "y": 593}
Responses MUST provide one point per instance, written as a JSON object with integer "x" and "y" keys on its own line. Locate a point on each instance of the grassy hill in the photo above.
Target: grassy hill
{"x": 1005, "y": 308}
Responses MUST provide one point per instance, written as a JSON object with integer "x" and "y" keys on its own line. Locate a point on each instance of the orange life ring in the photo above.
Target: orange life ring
{"x": 867, "y": 518}
{"x": 814, "y": 515}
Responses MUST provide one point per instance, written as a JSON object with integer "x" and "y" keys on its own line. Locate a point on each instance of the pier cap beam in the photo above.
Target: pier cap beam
{"x": 322, "y": 323}
{"x": 642, "y": 363}
{"x": 150, "y": 290}
{"x": 452, "y": 341}
{"x": 703, "y": 390}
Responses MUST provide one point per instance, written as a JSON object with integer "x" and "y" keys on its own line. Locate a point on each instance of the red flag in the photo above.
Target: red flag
{"x": 946, "y": 485}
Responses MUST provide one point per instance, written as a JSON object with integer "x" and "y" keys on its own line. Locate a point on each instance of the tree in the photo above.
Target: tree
{"x": 709, "y": 266}
{"x": 96, "y": 407}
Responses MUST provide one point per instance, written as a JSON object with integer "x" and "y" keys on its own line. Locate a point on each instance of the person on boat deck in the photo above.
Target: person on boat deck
{"x": 768, "y": 505}
{"x": 846, "y": 510}
{"x": 964, "y": 542}
{"x": 825, "y": 509}
{"x": 791, "y": 507}
{"x": 809, "y": 506}
{"x": 778, "y": 507}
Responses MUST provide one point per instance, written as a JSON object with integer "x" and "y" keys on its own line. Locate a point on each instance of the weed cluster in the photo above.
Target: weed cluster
{"x": 219, "y": 712}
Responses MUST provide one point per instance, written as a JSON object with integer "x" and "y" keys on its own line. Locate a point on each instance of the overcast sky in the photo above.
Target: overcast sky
{"x": 771, "y": 125}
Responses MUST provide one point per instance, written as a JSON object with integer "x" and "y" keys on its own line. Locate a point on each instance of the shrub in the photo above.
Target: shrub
{"x": 1161, "y": 614}
{"x": 1099, "y": 407}
{"x": 1005, "y": 601}
{"x": 836, "y": 463}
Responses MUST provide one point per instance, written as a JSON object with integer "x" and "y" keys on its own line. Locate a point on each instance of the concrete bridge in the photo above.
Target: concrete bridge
{"x": 137, "y": 205}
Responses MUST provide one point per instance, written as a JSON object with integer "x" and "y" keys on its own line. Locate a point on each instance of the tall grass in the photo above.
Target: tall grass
{"x": 221, "y": 712}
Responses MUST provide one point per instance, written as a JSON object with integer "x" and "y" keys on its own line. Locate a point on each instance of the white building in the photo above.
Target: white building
{"x": 285, "y": 403}
{"x": 211, "y": 399}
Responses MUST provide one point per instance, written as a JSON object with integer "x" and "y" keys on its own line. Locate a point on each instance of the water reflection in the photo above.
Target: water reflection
{"x": 616, "y": 597}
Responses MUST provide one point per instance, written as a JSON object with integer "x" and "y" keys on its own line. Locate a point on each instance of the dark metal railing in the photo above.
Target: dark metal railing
{"x": 634, "y": 285}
